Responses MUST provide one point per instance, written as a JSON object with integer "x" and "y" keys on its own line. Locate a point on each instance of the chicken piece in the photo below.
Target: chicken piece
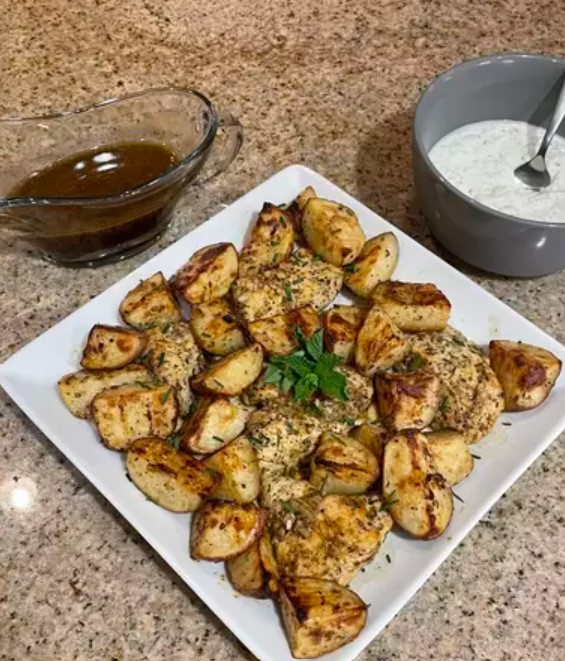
{"x": 335, "y": 542}
{"x": 174, "y": 357}
{"x": 303, "y": 280}
{"x": 473, "y": 398}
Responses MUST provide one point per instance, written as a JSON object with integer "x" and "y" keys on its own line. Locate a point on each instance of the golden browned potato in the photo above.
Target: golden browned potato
{"x": 332, "y": 231}
{"x": 224, "y": 530}
{"x": 303, "y": 280}
{"x": 151, "y": 303}
{"x": 238, "y": 467}
{"x": 78, "y": 389}
{"x": 125, "y": 413}
{"x": 277, "y": 335}
{"x": 526, "y": 373}
{"x": 451, "y": 455}
{"x": 375, "y": 264}
{"x": 232, "y": 374}
{"x": 208, "y": 274}
{"x": 408, "y": 400}
{"x": 304, "y": 197}
{"x": 172, "y": 479}
{"x": 341, "y": 326}
{"x": 269, "y": 562}
{"x": 246, "y": 572}
{"x": 380, "y": 343}
{"x": 112, "y": 347}
{"x": 214, "y": 423}
{"x": 373, "y": 436}
{"x": 319, "y": 616}
{"x": 420, "y": 501}
{"x": 270, "y": 243}
{"x": 342, "y": 465}
{"x": 413, "y": 306}
{"x": 174, "y": 357}
{"x": 215, "y": 327}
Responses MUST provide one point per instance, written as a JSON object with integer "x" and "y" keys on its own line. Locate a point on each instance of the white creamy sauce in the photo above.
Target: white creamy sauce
{"x": 479, "y": 159}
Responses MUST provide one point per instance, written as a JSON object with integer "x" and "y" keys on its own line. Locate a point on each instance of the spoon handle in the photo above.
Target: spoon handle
{"x": 555, "y": 121}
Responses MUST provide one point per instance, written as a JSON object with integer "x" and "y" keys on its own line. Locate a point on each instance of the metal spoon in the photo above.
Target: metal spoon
{"x": 534, "y": 173}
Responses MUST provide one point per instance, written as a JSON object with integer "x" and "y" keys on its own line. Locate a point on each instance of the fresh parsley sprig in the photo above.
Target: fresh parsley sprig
{"x": 308, "y": 371}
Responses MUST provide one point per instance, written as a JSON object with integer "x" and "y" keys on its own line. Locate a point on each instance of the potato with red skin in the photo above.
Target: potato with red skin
{"x": 341, "y": 327}
{"x": 420, "y": 501}
{"x": 408, "y": 400}
{"x": 277, "y": 334}
{"x": 526, "y": 373}
{"x": 221, "y": 530}
{"x": 319, "y": 616}
{"x": 112, "y": 347}
{"x": 208, "y": 274}
{"x": 151, "y": 303}
{"x": 413, "y": 306}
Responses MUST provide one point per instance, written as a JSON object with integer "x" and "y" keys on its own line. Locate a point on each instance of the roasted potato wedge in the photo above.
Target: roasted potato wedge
{"x": 304, "y": 197}
{"x": 215, "y": 328}
{"x": 78, "y": 389}
{"x": 319, "y": 616}
{"x": 413, "y": 306}
{"x": 125, "y": 413}
{"x": 174, "y": 357}
{"x": 452, "y": 458}
{"x": 342, "y": 465}
{"x": 214, "y": 423}
{"x": 526, "y": 373}
{"x": 376, "y": 263}
{"x": 270, "y": 243}
{"x": 373, "y": 436}
{"x": 246, "y": 573}
{"x": 269, "y": 562}
{"x": 112, "y": 347}
{"x": 221, "y": 531}
{"x": 332, "y": 231}
{"x": 239, "y": 471}
{"x": 232, "y": 374}
{"x": 341, "y": 326}
{"x": 408, "y": 400}
{"x": 276, "y": 335}
{"x": 420, "y": 501}
{"x": 151, "y": 303}
{"x": 208, "y": 274}
{"x": 301, "y": 281}
{"x": 380, "y": 343}
{"x": 172, "y": 479}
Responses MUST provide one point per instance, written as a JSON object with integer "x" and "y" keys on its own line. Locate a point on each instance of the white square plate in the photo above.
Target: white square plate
{"x": 30, "y": 378}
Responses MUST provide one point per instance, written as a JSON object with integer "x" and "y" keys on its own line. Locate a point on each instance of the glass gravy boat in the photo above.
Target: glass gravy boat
{"x": 93, "y": 230}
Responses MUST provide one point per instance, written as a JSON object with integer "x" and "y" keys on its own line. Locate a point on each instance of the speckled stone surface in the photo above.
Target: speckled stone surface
{"x": 328, "y": 83}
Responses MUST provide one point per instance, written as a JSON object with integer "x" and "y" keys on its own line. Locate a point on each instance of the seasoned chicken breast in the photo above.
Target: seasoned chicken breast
{"x": 303, "y": 280}
{"x": 473, "y": 399}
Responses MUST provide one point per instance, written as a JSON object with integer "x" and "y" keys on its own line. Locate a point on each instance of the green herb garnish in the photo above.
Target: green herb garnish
{"x": 282, "y": 221}
{"x": 389, "y": 502}
{"x": 174, "y": 440}
{"x": 287, "y": 292}
{"x": 444, "y": 406}
{"x": 275, "y": 243}
{"x": 458, "y": 497}
{"x": 210, "y": 471}
{"x": 348, "y": 420}
{"x": 165, "y": 396}
{"x": 161, "y": 359}
{"x": 308, "y": 371}
{"x": 166, "y": 327}
{"x": 289, "y": 507}
{"x": 475, "y": 456}
{"x": 349, "y": 268}
{"x": 388, "y": 558}
{"x": 218, "y": 439}
{"x": 317, "y": 258}
{"x": 415, "y": 363}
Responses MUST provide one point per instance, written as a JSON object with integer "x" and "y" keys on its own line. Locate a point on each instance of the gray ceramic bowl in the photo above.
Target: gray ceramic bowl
{"x": 512, "y": 86}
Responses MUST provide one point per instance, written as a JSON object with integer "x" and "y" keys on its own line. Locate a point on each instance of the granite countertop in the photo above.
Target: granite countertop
{"x": 331, "y": 84}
